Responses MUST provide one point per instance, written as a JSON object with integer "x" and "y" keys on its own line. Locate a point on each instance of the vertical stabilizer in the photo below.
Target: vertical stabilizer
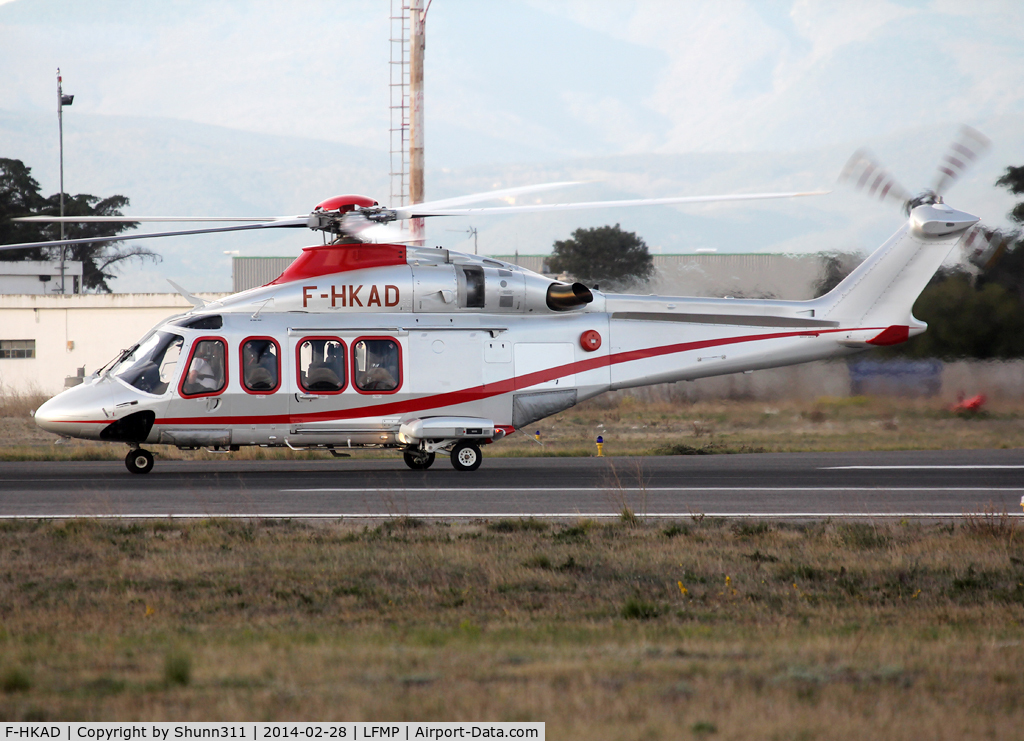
{"x": 882, "y": 290}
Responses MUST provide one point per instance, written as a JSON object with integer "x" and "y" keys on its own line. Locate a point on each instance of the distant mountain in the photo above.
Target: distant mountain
{"x": 170, "y": 167}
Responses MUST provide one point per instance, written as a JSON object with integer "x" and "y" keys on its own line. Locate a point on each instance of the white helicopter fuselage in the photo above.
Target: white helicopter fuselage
{"x": 421, "y": 349}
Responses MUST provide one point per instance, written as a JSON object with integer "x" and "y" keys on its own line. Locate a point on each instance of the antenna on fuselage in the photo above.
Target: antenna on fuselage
{"x": 471, "y": 232}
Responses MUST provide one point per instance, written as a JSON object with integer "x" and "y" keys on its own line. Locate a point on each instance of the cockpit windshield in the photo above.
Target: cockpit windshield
{"x": 150, "y": 366}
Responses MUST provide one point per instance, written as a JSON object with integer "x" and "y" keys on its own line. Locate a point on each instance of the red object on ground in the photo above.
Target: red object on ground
{"x": 969, "y": 405}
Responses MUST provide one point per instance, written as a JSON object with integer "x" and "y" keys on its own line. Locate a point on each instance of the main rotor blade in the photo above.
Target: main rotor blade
{"x": 128, "y": 219}
{"x": 968, "y": 147}
{"x": 416, "y": 211}
{"x": 478, "y": 197}
{"x": 280, "y": 224}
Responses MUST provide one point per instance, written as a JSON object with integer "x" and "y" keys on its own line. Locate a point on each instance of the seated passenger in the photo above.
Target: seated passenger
{"x": 322, "y": 378}
{"x": 376, "y": 365}
{"x": 205, "y": 372}
{"x": 260, "y": 365}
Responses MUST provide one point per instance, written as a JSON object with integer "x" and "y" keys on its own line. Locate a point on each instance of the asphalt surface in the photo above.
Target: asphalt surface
{"x": 922, "y": 483}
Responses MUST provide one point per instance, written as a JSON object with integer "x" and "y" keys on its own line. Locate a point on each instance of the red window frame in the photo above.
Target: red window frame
{"x": 241, "y": 365}
{"x": 188, "y": 364}
{"x": 401, "y": 374}
{"x": 298, "y": 364}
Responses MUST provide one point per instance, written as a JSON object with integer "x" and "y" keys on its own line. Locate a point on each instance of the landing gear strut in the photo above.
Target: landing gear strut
{"x": 139, "y": 461}
{"x": 418, "y": 460}
{"x": 466, "y": 456}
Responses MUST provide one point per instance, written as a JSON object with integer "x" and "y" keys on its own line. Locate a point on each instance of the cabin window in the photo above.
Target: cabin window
{"x": 261, "y": 365}
{"x": 207, "y": 373}
{"x": 473, "y": 292}
{"x": 377, "y": 365}
{"x": 321, "y": 364}
{"x": 151, "y": 365}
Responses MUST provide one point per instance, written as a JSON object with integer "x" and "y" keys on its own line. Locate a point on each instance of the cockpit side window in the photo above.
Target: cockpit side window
{"x": 321, "y": 365}
{"x": 377, "y": 365}
{"x": 261, "y": 365}
{"x": 207, "y": 373}
{"x": 207, "y": 321}
{"x": 151, "y": 366}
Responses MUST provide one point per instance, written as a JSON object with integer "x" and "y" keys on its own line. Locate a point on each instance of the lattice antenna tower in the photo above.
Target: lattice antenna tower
{"x": 401, "y": 109}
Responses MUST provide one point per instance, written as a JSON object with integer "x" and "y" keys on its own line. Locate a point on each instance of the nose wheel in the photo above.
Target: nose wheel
{"x": 139, "y": 461}
{"x": 466, "y": 456}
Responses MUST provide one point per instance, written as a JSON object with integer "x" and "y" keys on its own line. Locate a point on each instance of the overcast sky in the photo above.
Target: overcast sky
{"x": 570, "y": 78}
{"x": 524, "y": 81}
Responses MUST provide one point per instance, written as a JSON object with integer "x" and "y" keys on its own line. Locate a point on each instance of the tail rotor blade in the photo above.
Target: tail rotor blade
{"x": 864, "y": 172}
{"x": 962, "y": 153}
{"x": 983, "y": 246}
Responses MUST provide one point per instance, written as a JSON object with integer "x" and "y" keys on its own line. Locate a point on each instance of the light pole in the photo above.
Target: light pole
{"x": 62, "y": 100}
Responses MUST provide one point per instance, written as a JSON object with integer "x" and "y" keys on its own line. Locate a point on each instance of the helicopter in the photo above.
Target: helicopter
{"x": 369, "y": 341}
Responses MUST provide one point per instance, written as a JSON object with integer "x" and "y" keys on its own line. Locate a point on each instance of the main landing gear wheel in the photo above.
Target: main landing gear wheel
{"x": 466, "y": 456}
{"x": 417, "y": 460}
{"x": 139, "y": 461}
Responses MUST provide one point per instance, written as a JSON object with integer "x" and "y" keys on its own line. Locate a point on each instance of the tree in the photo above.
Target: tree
{"x": 967, "y": 320}
{"x": 1008, "y": 271}
{"x": 20, "y": 196}
{"x": 1013, "y": 181}
{"x": 604, "y": 254}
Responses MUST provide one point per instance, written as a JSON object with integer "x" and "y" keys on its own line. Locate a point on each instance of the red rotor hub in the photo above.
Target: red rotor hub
{"x": 345, "y": 203}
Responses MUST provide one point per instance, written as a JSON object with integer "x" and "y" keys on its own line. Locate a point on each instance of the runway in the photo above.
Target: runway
{"x": 796, "y": 485}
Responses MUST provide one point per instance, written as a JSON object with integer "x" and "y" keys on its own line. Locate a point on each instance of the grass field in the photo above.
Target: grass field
{"x": 701, "y": 628}
{"x": 642, "y": 424}
{"x": 624, "y": 630}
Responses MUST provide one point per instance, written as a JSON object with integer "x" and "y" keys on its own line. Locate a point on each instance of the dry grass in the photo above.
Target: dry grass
{"x": 628, "y": 630}
{"x": 632, "y": 426}
{"x": 644, "y": 424}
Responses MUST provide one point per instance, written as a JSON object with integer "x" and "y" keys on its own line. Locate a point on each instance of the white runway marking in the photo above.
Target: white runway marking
{"x": 914, "y": 468}
{"x": 637, "y": 489}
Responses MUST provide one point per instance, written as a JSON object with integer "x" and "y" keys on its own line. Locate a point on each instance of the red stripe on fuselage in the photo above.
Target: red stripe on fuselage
{"x": 485, "y": 391}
